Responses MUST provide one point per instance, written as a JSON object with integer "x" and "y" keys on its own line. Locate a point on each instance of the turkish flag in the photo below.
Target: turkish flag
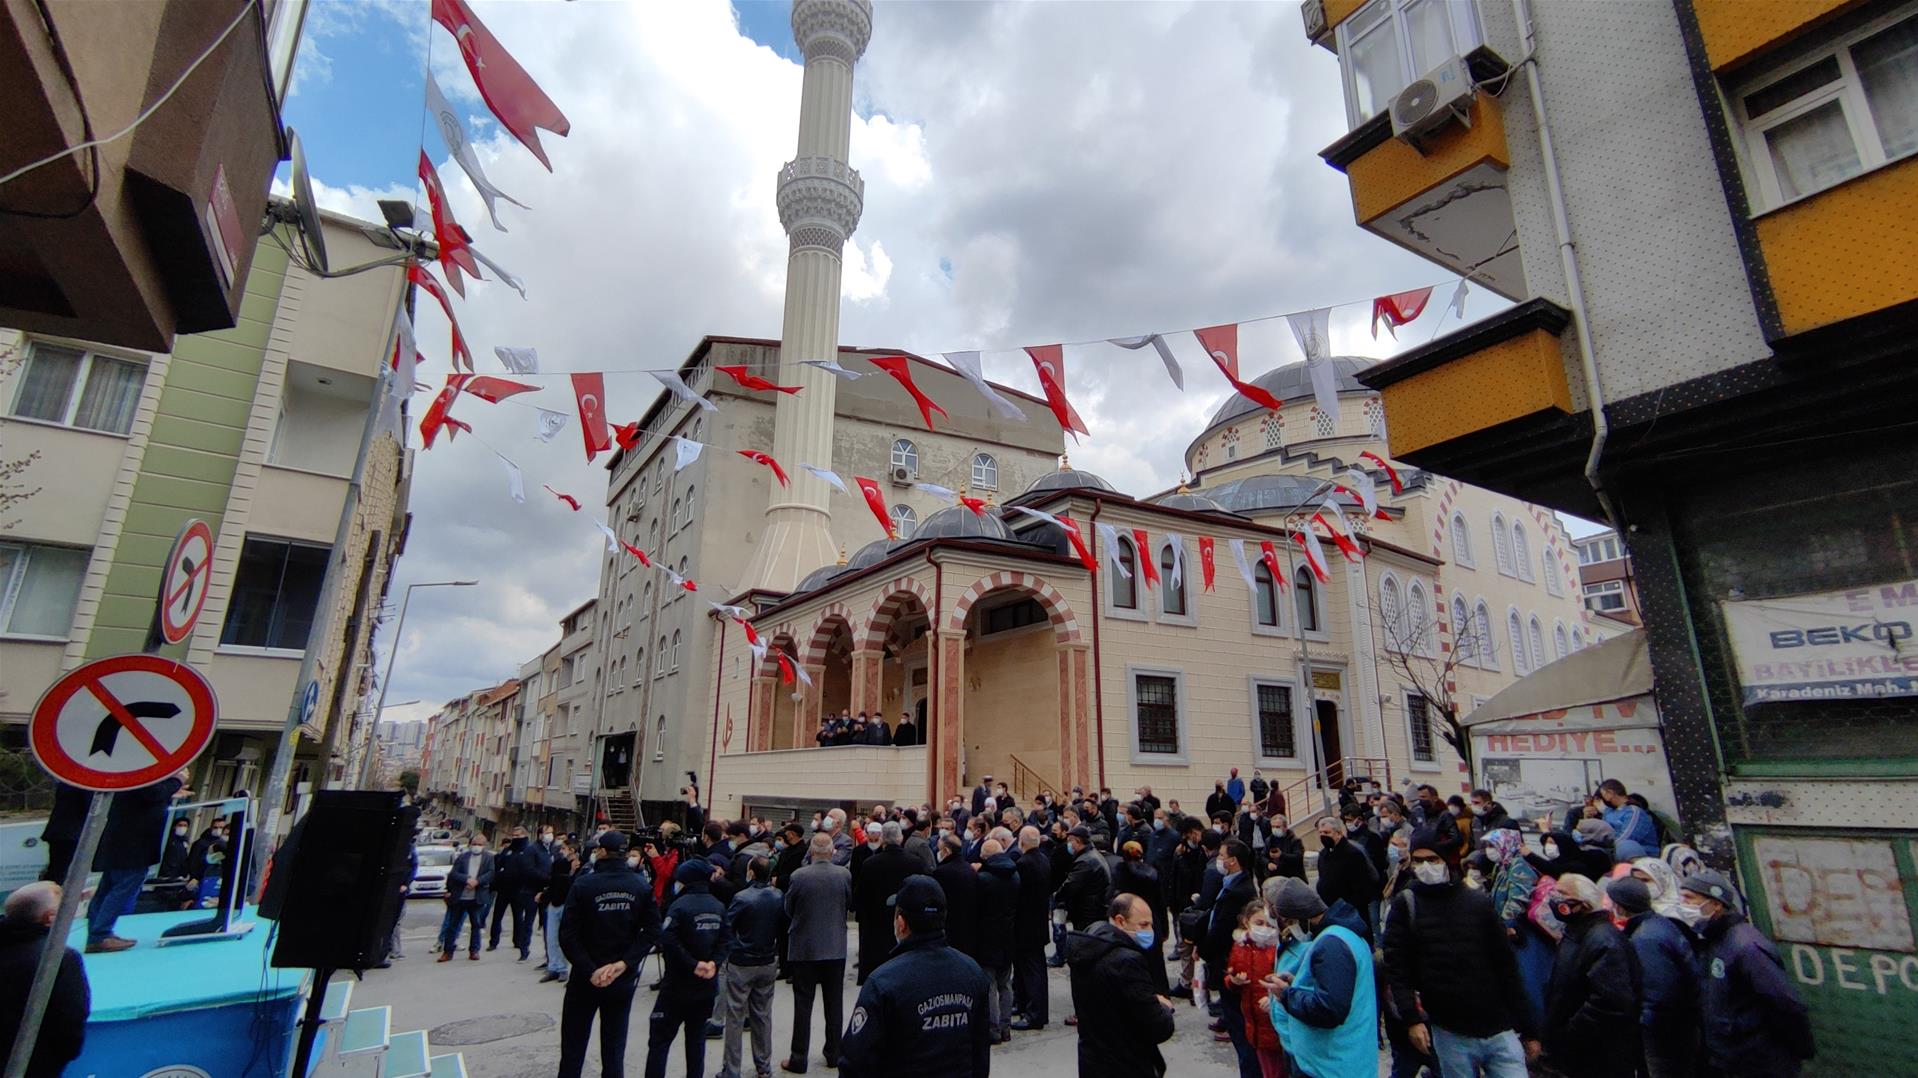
{"x": 1270, "y": 555}
{"x": 1147, "y": 563}
{"x": 1397, "y": 309}
{"x": 589, "y": 390}
{"x": 758, "y": 457}
{"x": 489, "y": 388}
{"x": 901, "y": 370}
{"x": 423, "y": 277}
{"x": 436, "y": 412}
{"x": 522, "y": 107}
{"x": 455, "y": 252}
{"x": 1086, "y": 559}
{"x": 1050, "y": 361}
{"x": 1222, "y": 344}
{"x": 739, "y": 374}
{"x": 626, "y": 435}
{"x": 1205, "y": 560}
{"x": 876, "y": 502}
{"x": 637, "y": 553}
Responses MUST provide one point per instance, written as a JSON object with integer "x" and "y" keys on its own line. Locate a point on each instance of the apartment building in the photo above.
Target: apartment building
{"x": 1605, "y": 577}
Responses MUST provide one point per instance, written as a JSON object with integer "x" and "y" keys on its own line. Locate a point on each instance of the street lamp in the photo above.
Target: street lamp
{"x": 391, "y": 657}
{"x": 1303, "y": 513}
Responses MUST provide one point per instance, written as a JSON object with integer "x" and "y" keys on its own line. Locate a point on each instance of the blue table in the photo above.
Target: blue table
{"x": 216, "y": 1005}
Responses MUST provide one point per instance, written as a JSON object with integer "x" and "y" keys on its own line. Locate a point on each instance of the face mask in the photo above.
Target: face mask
{"x": 1354, "y": 826}
{"x": 1327, "y": 841}
{"x": 1157, "y": 825}
{"x": 1296, "y": 933}
{"x": 1262, "y": 935}
{"x": 1564, "y": 911}
{"x": 1145, "y": 939}
{"x": 632, "y": 862}
{"x": 180, "y": 831}
{"x": 873, "y": 844}
{"x": 1429, "y": 871}
{"x": 1392, "y": 855}
{"x": 1551, "y": 851}
{"x": 1692, "y": 915}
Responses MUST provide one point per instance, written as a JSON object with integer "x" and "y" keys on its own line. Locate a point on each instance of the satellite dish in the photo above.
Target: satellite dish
{"x": 308, "y": 210}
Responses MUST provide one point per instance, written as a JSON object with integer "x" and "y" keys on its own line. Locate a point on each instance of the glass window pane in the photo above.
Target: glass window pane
{"x": 1157, "y": 713}
{"x": 1125, "y": 592}
{"x": 1276, "y": 733}
{"x": 1791, "y": 88}
{"x": 1813, "y": 151}
{"x": 1888, "y": 67}
{"x": 1430, "y": 32}
{"x": 44, "y": 604}
{"x": 47, "y": 383}
{"x": 299, "y": 596}
{"x": 1377, "y": 73}
{"x": 111, "y": 395}
{"x": 1174, "y": 596}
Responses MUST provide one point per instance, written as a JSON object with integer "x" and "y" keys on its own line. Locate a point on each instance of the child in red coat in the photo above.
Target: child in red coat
{"x": 1254, "y": 950}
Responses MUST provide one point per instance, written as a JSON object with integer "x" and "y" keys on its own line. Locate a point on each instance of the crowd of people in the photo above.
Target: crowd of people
{"x": 847, "y": 728}
{"x": 1429, "y": 925}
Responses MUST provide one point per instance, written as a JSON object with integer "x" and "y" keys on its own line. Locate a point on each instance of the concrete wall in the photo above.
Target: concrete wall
{"x": 891, "y": 775}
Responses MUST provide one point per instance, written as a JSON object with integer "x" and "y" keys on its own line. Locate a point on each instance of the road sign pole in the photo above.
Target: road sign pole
{"x": 55, "y": 948}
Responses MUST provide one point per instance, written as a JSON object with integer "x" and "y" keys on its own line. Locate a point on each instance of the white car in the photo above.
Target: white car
{"x": 435, "y": 863}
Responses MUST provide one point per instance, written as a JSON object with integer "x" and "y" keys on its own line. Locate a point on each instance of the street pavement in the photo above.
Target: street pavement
{"x": 506, "y": 1024}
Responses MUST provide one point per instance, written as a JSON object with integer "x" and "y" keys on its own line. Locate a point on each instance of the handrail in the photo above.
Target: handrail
{"x": 1028, "y": 783}
{"x": 1328, "y": 779}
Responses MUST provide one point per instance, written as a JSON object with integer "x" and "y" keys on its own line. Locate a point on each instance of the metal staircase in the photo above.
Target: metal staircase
{"x": 621, "y": 812}
{"x": 1317, "y": 794}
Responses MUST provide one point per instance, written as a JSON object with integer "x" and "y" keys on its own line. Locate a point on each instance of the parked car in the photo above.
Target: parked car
{"x": 435, "y": 836}
{"x": 435, "y": 863}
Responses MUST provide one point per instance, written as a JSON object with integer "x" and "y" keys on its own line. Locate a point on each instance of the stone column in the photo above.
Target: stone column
{"x": 759, "y": 714}
{"x": 946, "y": 745}
{"x": 1076, "y": 748}
{"x": 820, "y": 199}
{"x": 806, "y": 708}
{"x": 867, "y": 665}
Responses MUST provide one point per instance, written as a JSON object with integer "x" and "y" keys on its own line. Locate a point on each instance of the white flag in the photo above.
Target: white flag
{"x": 1315, "y": 553}
{"x": 1109, "y": 537}
{"x": 1344, "y": 528}
{"x": 405, "y": 375}
{"x": 518, "y": 360}
{"x": 827, "y": 474}
{"x": 685, "y": 451}
{"x": 759, "y": 650}
{"x": 799, "y": 671}
{"x": 737, "y": 613}
{"x": 672, "y": 381}
{"x": 1313, "y": 331}
{"x": 512, "y": 479}
{"x": 1245, "y": 570}
{"x": 1039, "y": 514}
{"x": 1457, "y": 305}
{"x": 1160, "y": 345}
{"x": 967, "y": 364}
{"x": 550, "y": 423}
{"x": 832, "y": 367}
{"x": 512, "y": 280}
{"x": 612, "y": 537}
{"x": 454, "y": 132}
{"x": 1177, "y": 542}
{"x": 1360, "y": 485}
{"x": 944, "y": 494}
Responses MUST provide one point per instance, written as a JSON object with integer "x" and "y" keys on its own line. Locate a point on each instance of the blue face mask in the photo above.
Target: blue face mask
{"x": 1145, "y": 940}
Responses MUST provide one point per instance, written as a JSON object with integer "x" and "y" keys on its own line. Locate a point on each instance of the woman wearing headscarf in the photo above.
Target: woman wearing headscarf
{"x": 1512, "y": 884}
{"x": 1662, "y": 882}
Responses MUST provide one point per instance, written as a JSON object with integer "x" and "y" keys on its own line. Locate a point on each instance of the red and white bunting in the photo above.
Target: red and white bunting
{"x": 900, "y": 367}
{"x": 1050, "y": 361}
{"x": 521, "y": 106}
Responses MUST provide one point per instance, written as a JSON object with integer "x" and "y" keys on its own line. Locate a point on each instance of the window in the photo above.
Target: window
{"x": 276, "y": 589}
{"x": 1841, "y": 111}
{"x": 1392, "y": 615}
{"x": 1265, "y": 597}
{"x": 682, "y": 573}
{"x": 652, "y": 533}
{"x": 1421, "y": 619}
{"x": 1002, "y": 619}
{"x": 1461, "y": 541}
{"x": 1521, "y": 553}
{"x": 659, "y": 658}
{"x": 1515, "y": 638}
{"x": 1375, "y": 416}
{"x": 1388, "y": 43}
{"x": 1482, "y": 636}
{"x": 985, "y": 472}
{"x": 1156, "y": 713}
{"x": 1552, "y": 584}
{"x": 1171, "y": 596}
{"x": 1535, "y": 635}
{"x": 1418, "y": 730}
{"x": 1501, "y": 545}
{"x": 1305, "y": 593}
{"x": 1578, "y": 639}
{"x": 79, "y": 389}
{"x": 692, "y": 494}
{"x": 1604, "y": 598}
{"x": 1559, "y": 647}
{"x": 646, "y": 599}
{"x": 904, "y": 520}
{"x": 1598, "y": 550}
{"x": 673, "y": 520}
{"x": 659, "y": 738}
{"x": 1324, "y": 424}
{"x": 1125, "y": 575}
{"x": 1231, "y": 443}
{"x": 1274, "y": 431}
{"x": 905, "y": 455}
{"x": 1278, "y": 737}
{"x": 639, "y": 665}
{"x": 38, "y": 587}
{"x": 675, "y": 652}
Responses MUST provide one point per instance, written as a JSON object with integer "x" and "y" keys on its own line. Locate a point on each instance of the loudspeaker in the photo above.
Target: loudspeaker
{"x": 335, "y": 884}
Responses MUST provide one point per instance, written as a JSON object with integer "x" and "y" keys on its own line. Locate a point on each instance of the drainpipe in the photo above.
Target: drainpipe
{"x": 1568, "y": 260}
{"x": 933, "y": 671}
{"x": 1098, "y": 695}
{"x": 719, "y": 677}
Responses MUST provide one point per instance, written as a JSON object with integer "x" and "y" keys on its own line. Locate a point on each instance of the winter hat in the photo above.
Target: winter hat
{"x": 1592, "y": 832}
{"x": 1294, "y": 899}
{"x": 1427, "y": 838}
{"x": 922, "y": 902}
{"x": 1082, "y": 833}
{"x": 1132, "y": 850}
{"x": 1578, "y": 889}
{"x": 693, "y": 871}
{"x": 612, "y": 840}
{"x": 1711, "y": 885}
{"x": 1629, "y": 894}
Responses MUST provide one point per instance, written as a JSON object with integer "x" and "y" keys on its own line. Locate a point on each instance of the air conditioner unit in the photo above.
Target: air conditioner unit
{"x": 1313, "y": 11}
{"x": 1442, "y": 96}
{"x": 901, "y": 476}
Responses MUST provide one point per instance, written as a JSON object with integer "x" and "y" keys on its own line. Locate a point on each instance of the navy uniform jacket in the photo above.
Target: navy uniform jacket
{"x": 696, "y": 930}
{"x": 922, "y": 1013}
{"x": 610, "y": 917}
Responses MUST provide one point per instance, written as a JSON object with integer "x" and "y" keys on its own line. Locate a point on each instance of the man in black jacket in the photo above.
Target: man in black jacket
{"x": 469, "y": 887}
{"x": 608, "y": 927}
{"x": 923, "y": 1012}
{"x": 1286, "y": 854}
{"x": 1219, "y": 802}
{"x": 877, "y": 881}
{"x": 552, "y": 898}
{"x": 519, "y": 871}
{"x": 695, "y": 941}
{"x": 136, "y": 828}
{"x": 1592, "y": 999}
{"x": 1236, "y": 888}
{"x": 961, "y": 884}
{"x": 1445, "y": 948}
{"x": 998, "y": 887}
{"x": 754, "y": 918}
{"x": 1031, "y": 931}
{"x": 1082, "y": 894}
{"x": 1345, "y": 872}
{"x": 23, "y": 935}
{"x": 1187, "y": 877}
{"x": 1123, "y": 1018}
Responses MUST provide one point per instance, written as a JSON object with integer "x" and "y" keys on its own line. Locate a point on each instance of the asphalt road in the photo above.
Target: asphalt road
{"x": 506, "y": 1024}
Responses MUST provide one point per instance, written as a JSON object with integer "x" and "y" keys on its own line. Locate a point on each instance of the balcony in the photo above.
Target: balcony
{"x": 891, "y": 775}
{"x": 1865, "y": 221}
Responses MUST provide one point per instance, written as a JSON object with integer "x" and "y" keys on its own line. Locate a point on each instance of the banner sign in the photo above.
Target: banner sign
{"x": 1853, "y": 644}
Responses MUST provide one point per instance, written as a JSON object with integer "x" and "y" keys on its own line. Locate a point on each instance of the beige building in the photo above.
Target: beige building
{"x": 254, "y": 430}
{"x": 1016, "y": 662}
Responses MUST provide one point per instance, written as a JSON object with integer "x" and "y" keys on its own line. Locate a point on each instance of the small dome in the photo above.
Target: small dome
{"x": 1256, "y": 493}
{"x": 818, "y": 577}
{"x": 1195, "y": 503}
{"x": 1290, "y": 382}
{"x": 958, "y": 522}
{"x": 1068, "y": 478}
{"x": 873, "y": 553}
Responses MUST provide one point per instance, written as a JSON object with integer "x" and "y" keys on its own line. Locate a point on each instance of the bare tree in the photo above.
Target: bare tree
{"x": 1413, "y": 651}
{"x": 12, "y": 490}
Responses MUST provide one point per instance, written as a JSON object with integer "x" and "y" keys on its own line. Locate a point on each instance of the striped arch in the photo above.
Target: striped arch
{"x": 777, "y": 642}
{"x": 871, "y": 634}
{"x": 830, "y": 620}
{"x": 1064, "y": 623}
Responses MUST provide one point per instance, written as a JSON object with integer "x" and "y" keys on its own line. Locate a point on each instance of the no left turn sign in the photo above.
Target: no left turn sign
{"x": 122, "y": 723}
{"x": 185, "y": 580}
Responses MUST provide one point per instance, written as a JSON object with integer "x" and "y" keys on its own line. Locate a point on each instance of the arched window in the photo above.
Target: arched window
{"x": 646, "y": 599}
{"x": 1535, "y": 635}
{"x": 639, "y": 665}
{"x": 675, "y": 518}
{"x": 1559, "y": 648}
{"x": 1552, "y": 585}
{"x": 904, "y": 520}
{"x": 659, "y": 738}
{"x": 682, "y": 569}
{"x": 905, "y": 455}
{"x": 1463, "y": 640}
{"x": 1171, "y": 596}
{"x": 1125, "y": 578}
{"x": 691, "y": 500}
{"x": 659, "y": 658}
{"x": 697, "y": 422}
{"x": 1482, "y": 635}
{"x": 1375, "y": 417}
{"x": 1578, "y": 639}
{"x": 1461, "y": 541}
{"x": 1501, "y": 544}
{"x": 1521, "y": 552}
{"x": 674, "y": 665}
{"x": 652, "y": 533}
{"x": 1421, "y": 618}
{"x": 639, "y": 493}
{"x": 1274, "y": 430}
{"x": 1392, "y": 616}
{"x": 1515, "y": 637}
{"x": 985, "y": 472}
{"x": 1231, "y": 442}
{"x": 1265, "y": 596}
{"x": 1305, "y": 590}
{"x": 1324, "y": 424}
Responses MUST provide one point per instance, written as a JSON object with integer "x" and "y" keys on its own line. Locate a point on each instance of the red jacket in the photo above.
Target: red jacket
{"x": 662, "y": 866}
{"x": 1256, "y": 963}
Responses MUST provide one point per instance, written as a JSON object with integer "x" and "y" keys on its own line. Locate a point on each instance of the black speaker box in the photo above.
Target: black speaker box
{"x": 335, "y": 883}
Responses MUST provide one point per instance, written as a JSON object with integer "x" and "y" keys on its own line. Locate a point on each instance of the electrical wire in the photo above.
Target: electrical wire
{"x": 146, "y": 113}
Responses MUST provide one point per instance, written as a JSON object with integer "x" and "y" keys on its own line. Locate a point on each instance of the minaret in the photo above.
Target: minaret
{"x": 820, "y": 198}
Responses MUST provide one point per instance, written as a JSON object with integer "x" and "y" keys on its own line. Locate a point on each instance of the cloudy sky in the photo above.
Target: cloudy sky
{"x": 1034, "y": 173}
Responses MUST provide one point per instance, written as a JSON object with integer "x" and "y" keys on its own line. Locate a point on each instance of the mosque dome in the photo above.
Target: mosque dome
{"x": 1291, "y": 382}
{"x": 1259, "y": 493}
{"x": 1068, "y": 478}
{"x": 959, "y": 522}
{"x": 1190, "y": 502}
{"x": 819, "y": 577}
{"x": 873, "y": 553}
